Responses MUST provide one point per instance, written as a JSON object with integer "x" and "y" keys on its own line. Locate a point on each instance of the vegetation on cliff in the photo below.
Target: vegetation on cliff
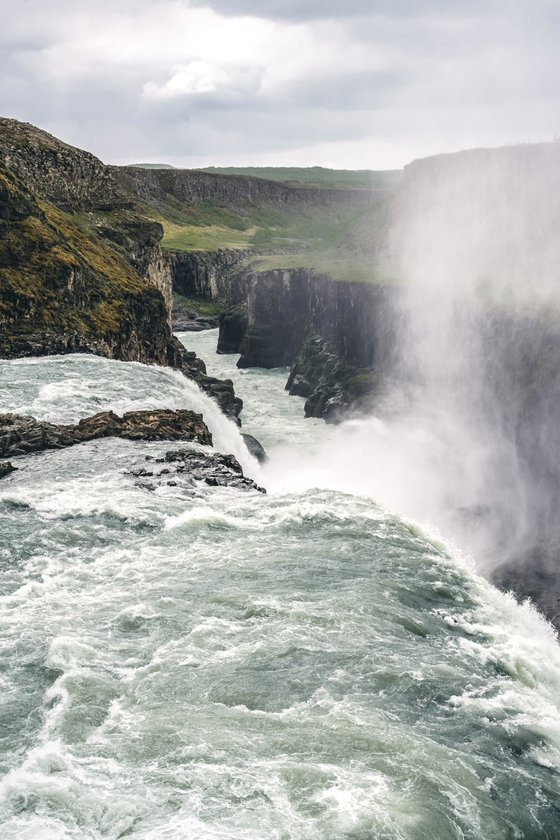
{"x": 56, "y": 277}
{"x": 81, "y": 266}
{"x": 317, "y": 177}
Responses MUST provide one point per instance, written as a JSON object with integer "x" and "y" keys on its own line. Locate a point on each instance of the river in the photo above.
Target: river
{"x": 213, "y": 663}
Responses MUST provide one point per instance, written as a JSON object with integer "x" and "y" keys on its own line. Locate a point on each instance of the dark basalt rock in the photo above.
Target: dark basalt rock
{"x": 331, "y": 385}
{"x": 6, "y": 468}
{"x": 22, "y": 435}
{"x": 93, "y": 282}
{"x": 233, "y": 326}
{"x": 190, "y": 321}
{"x": 255, "y": 448}
{"x": 187, "y": 466}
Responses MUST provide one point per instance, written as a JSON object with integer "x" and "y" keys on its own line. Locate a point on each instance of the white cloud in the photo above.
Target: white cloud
{"x": 200, "y": 78}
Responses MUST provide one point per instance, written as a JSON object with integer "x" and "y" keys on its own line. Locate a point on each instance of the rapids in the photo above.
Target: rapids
{"x": 217, "y": 664}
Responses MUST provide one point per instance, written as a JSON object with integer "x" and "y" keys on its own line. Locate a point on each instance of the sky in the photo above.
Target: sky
{"x": 342, "y": 83}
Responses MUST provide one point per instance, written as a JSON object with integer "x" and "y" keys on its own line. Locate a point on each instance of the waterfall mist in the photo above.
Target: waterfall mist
{"x": 476, "y": 239}
{"x": 466, "y": 437}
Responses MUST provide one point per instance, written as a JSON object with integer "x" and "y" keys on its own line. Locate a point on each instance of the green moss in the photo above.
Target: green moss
{"x": 105, "y": 318}
{"x": 21, "y": 282}
{"x": 361, "y": 384}
{"x": 95, "y": 252}
{"x": 61, "y": 276}
{"x": 203, "y": 306}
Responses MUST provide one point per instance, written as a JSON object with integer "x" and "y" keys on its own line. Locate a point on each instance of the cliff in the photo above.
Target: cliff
{"x": 81, "y": 269}
{"x": 338, "y": 336}
{"x": 233, "y": 192}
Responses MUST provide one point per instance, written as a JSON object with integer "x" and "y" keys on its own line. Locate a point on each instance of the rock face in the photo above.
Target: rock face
{"x": 338, "y": 336}
{"x": 81, "y": 186}
{"x": 65, "y": 176}
{"x": 205, "y": 274}
{"x": 330, "y": 384}
{"x": 195, "y": 187}
{"x": 270, "y": 314}
{"x": 81, "y": 270}
{"x": 22, "y": 435}
{"x": 233, "y": 327}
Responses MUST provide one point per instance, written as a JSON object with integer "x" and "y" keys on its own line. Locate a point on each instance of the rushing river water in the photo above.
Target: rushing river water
{"x": 180, "y": 665}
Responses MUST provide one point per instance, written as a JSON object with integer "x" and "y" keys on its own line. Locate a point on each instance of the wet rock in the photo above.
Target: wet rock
{"x": 22, "y": 435}
{"x": 6, "y": 468}
{"x": 189, "y": 315}
{"x": 330, "y": 384}
{"x": 211, "y": 468}
{"x": 233, "y": 326}
{"x": 256, "y": 448}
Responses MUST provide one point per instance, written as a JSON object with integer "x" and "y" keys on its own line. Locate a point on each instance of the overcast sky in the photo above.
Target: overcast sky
{"x": 343, "y": 83}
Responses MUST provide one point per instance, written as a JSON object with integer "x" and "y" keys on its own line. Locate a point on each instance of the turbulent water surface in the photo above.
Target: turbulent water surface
{"x": 223, "y": 664}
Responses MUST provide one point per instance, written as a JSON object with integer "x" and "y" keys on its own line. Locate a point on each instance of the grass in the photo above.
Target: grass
{"x": 263, "y": 229}
{"x": 204, "y": 306}
{"x": 334, "y": 235}
{"x": 316, "y": 177}
{"x": 202, "y": 238}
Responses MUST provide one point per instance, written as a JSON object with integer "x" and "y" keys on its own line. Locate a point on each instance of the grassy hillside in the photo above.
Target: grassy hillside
{"x": 317, "y": 177}
{"x": 355, "y": 249}
{"x": 334, "y": 235}
{"x": 340, "y": 238}
{"x": 152, "y": 165}
{"x": 206, "y": 227}
{"x": 56, "y": 275}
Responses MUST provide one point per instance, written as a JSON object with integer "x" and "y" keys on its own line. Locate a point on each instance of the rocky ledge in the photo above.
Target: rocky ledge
{"x": 185, "y": 468}
{"x": 22, "y": 435}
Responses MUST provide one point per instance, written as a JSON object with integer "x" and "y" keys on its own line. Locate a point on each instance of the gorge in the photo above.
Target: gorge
{"x": 189, "y": 657}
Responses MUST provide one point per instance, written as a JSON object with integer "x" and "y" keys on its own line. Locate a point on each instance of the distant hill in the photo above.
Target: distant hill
{"x": 316, "y": 176}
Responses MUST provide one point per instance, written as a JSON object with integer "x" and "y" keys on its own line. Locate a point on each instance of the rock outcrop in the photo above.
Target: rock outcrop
{"x": 339, "y": 337}
{"x": 185, "y": 468}
{"x": 22, "y": 435}
{"x": 69, "y": 178}
{"x": 6, "y": 468}
{"x": 331, "y": 385}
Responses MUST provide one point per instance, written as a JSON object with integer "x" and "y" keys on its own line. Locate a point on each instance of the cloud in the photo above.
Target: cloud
{"x": 308, "y": 10}
{"x": 361, "y": 83}
{"x": 202, "y": 78}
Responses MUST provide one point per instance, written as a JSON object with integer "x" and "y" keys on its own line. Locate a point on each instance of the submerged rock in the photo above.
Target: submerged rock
{"x": 22, "y": 435}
